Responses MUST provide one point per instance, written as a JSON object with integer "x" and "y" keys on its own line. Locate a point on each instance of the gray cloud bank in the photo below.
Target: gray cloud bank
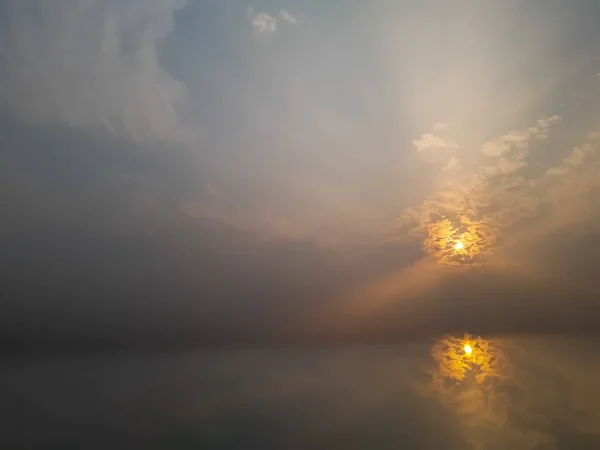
{"x": 116, "y": 263}
{"x": 93, "y": 64}
{"x": 122, "y": 269}
{"x": 100, "y": 245}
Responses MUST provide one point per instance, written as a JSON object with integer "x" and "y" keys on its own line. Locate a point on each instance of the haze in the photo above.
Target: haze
{"x": 261, "y": 183}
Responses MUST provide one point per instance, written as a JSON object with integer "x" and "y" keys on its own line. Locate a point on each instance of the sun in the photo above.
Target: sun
{"x": 468, "y": 349}
{"x": 459, "y": 246}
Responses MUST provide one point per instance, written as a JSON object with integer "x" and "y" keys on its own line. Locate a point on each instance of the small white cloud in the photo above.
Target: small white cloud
{"x": 519, "y": 140}
{"x": 288, "y": 17}
{"x": 495, "y": 148}
{"x": 452, "y": 164}
{"x": 508, "y": 166}
{"x": 429, "y": 140}
{"x": 548, "y": 122}
{"x": 575, "y": 158}
{"x": 561, "y": 169}
{"x": 264, "y": 23}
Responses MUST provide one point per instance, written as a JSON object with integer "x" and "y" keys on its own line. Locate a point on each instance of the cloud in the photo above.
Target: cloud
{"x": 288, "y": 17}
{"x": 519, "y": 139}
{"x": 433, "y": 141}
{"x": 263, "y": 22}
{"x": 517, "y": 392}
{"x": 286, "y": 176}
{"x": 452, "y": 164}
{"x": 94, "y": 64}
{"x": 575, "y": 158}
{"x": 199, "y": 281}
{"x": 475, "y": 208}
{"x": 438, "y": 147}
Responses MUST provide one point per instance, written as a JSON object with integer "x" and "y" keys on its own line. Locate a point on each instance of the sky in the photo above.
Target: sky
{"x": 297, "y": 171}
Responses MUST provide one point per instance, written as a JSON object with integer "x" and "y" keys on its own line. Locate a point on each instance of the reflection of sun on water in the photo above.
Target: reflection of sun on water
{"x": 469, "y": 377}
{"x": 468, "y": 350}
{"x": 459, "y": 357}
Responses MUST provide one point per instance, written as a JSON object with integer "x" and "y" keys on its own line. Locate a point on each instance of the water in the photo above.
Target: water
{"x": 534, "y": 394}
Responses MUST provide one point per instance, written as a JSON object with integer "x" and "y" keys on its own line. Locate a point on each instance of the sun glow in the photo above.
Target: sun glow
{"x": 468, "y": 349}
{"x": 459, "y": 246}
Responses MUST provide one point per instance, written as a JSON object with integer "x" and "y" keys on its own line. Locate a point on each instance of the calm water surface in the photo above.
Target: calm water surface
{"x": 518, "y": 393}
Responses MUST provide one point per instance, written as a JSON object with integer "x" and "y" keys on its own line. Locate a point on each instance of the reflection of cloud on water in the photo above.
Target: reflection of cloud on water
{"x": 484, "y": 359}
{"x": 518, "y": 394}
{"x": 469, "y": 383}
{"x": 540, "y": 394}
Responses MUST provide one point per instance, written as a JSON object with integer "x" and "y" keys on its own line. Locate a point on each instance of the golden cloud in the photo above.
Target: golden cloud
{"x": 464, "y": 219}
{"x": 511, "y": 393}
